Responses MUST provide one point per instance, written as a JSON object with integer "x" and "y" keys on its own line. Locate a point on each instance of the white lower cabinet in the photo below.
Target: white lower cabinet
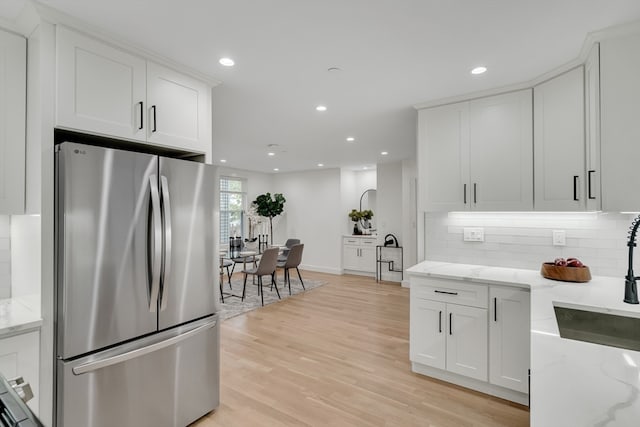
{"x": 359, "y": 254}
{"x": 20, "y": 356}
{"x": 473, "y": 334}
{"x": 509, "y": 344}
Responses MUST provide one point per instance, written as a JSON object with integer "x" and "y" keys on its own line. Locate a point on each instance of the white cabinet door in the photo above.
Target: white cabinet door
{"x": 20, "y": 356}
{"x": 509, "y": 333}
{"x": 620, "y": 124}
{"x": 559, "y": 143}
{"x": 592, "y": 128}
{"x": 13, "y": 75}
{"x": 443, "y": 156}
{"x": 179, "y": 110}
{"x": 467, "y": 341}
{"x": 501, "y": 159}
{"x": 427, "y": 341}
{"x": 367, "y": 259}
{"x": 101, "y": 89}
{"x": 350, "y": 257}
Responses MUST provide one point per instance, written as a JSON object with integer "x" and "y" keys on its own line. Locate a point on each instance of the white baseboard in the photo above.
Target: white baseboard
{"x": 481, "y": 386}
{"x": 321, "y": 269}
{"x": 359, "y": 273}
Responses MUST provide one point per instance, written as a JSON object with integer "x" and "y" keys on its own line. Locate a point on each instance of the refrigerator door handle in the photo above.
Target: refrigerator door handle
{"x": 109, "y": 361}
{"x": 166, "y": 225}
{"x": 155, "y": 261}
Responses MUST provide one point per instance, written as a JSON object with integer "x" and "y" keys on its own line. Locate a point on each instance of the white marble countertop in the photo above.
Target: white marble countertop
{"x": 18, "y": 315}
{"x": 573, "y": 383}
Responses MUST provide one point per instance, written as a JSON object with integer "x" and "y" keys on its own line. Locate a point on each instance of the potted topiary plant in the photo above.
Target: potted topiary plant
{"x": 269, "y": 207}
{"x": 355, "y": 216}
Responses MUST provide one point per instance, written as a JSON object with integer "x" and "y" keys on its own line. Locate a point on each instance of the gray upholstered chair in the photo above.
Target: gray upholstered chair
{"x": 288, "y": 244}
{"x": 266, "y": 267}
{"x": 293, "y": 260}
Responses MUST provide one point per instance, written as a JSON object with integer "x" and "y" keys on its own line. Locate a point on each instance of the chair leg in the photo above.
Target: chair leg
{"x": 221, "y": 294}
{"x": 244, "y": 286}
{"x": 228, "y": 277}
{"x": 273, "y": 282}
{"x": 260, "y": 289}
{"x": 288, "y": 274}
{"x": 300, "y": 279}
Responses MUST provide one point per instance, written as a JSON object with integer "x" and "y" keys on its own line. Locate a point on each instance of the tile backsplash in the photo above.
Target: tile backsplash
{"x": 5, "y": 256}
{"x": 524, "y": 239}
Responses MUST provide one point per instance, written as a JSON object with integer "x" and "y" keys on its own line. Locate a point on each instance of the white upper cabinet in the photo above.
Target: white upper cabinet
{"x": 100, "y": 88}
{"x": 592, "y": 129}
{"x": 13, "y": 96}
{"x": 560, "y": 178}
{"x": 501, "y": 159}
{"x": 180, "y": 109}
{"x": 620, "y": 123}
{"x": 477, "y": 155}
{"x": 108, "y": 91}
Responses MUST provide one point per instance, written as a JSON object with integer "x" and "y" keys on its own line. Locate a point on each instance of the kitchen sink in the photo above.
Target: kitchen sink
{"x": 600, "y": 328}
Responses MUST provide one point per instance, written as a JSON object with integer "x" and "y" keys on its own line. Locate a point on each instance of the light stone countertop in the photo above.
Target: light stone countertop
{"x": 573, "y": 383}
{"x": 18, "y": 315}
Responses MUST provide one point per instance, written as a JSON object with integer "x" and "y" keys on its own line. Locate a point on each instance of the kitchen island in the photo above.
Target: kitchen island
{"x": 573, "y": 383}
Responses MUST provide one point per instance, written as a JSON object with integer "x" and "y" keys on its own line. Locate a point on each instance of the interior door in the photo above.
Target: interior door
{"x": 103, "y": 279}
{"x": 187, "y": 194}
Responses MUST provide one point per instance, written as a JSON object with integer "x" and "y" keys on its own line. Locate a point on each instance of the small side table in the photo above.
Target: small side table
{"x": 389, "y": 255}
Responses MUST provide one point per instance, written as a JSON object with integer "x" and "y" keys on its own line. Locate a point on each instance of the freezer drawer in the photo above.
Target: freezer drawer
{"x": 170, "y": 379}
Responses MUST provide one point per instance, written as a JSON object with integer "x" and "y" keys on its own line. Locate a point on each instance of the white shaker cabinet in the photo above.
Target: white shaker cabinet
{"x": 467, "y": 341}
{"x": 509, "y": 347}
{"x": 477, "y": 155}
{"x": 101, "y": 89}
{"x": 20, "y": 357}
{"x": 620, "y": 123}
{"x": 359, "y": 254}
{"x": 559, "y": 146}
{"x": 13, "y": 75}
{"x": 592, "y": 128}
{"x": 108, "y": 91}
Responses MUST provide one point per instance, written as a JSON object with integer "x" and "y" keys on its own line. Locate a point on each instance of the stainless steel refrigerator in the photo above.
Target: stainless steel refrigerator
{"x": 137, "y": 334}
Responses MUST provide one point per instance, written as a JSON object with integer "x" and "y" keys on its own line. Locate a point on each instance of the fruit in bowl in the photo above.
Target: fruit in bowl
{"x": 569, "y": 262}
{"x": 566, "y": 270}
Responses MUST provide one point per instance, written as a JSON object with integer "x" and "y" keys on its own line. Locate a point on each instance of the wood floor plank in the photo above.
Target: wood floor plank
{"x": 338, "y": 355}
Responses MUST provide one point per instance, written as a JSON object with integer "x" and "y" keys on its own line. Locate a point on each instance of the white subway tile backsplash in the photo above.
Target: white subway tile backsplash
{"x": 523, "y": 239}
{"x": 5, "y": 256}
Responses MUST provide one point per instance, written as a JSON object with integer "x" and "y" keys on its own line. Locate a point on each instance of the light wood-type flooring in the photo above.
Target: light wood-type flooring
{"x": 338, "y": 355}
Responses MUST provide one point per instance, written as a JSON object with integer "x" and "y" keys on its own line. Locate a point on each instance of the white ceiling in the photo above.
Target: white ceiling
{"x": 392, "y": 54}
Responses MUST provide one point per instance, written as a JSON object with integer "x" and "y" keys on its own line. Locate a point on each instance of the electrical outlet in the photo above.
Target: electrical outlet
{"x": 559, "y": 238}
{"x": 473, "y": 234}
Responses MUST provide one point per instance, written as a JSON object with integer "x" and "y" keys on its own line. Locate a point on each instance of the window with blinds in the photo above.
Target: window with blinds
{"x": 232, "y": 204}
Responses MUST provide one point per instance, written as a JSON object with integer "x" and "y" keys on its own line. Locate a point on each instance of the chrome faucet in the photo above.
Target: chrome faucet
{"x": 630, "y": 288}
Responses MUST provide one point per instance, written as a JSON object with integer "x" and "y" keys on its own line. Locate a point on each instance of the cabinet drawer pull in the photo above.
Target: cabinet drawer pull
{"x": 495, "y": 309}
{"x": 575, "y": 188}
{"x": 475, "y": 193}
{"x": 440, "y": 322}
{"x": 589, "y": 174}
{"x": 450, "y": 324}
{"x": 464, "y": 193}
{"x": 445, "y": 292}
{"x": 153, "y": 107}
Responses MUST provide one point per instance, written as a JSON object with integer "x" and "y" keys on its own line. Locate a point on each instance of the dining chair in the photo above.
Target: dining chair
{"x": 266, "y": 267}
{"x": 294, "y": 258}
{"x": 285, "y": 251}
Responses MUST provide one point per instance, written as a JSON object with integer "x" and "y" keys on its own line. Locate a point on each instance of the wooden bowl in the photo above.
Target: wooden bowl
{"x": 566, "y": 274}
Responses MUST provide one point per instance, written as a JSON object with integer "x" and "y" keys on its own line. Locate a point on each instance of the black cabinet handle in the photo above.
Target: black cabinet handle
{"x": 575, "y": 188}
{"x": 445, "y": 292}
{"x": 141, "y": 115}
{"x": 589, "y": 182}
{"x": 153, "y": 108}
{"x": 464, "y": 193}
{"x": 475, "y": 193}
{"x": 450, "y": 327}
{"x": 495, "y": 309}
{"x": 440, "y": 322}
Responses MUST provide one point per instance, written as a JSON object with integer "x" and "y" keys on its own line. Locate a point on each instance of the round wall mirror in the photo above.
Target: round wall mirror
{"x": 368, "y": 202}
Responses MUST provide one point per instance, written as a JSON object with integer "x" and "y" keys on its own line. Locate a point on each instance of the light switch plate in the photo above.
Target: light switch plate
{"x": 559, "y": 238}
{"x": 473, "y": 234}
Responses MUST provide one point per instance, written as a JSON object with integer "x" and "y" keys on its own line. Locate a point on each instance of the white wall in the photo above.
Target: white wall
{"x": 5, "y": 256}
{"x": 409, "y": 221}
{"x": 314, "y": 214}
{"x": 390, "y": 208}
{"x": 523, "y": 240}
{"x": 25, "y": 255}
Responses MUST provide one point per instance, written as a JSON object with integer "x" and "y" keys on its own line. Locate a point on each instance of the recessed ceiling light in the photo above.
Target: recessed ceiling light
{"x": 276, "y": 169}
{"x": 223, "y": 161}
{"x": 332, "y": 69}
{"x": 320, "y": 165}
{"x": 365, "y": 168}
{"x": 384, "y": 153}
{"x": 321, "y": 108}
{"x": 478, "y": 70}
{"x": 350, "y": 139}
{"x": 271, "y": 153}
{"x": 227, "y": 62}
